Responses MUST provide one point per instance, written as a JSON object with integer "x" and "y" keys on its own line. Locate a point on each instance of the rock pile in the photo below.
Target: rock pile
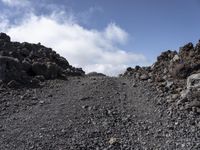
{"x": 176, "y": 75}
{"x": 25, "y": 63}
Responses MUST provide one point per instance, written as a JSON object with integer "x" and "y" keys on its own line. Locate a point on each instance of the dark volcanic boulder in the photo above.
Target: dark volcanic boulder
{"x": 39, "y": 68}
{"x": 10, "y": 68}
{"x": 52, "y": 70}
{"x": 4, "y": 37}
{"x": 181, "y": 71}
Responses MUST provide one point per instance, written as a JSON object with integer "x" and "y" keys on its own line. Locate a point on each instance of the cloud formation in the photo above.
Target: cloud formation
{"x": 91, "y": 49}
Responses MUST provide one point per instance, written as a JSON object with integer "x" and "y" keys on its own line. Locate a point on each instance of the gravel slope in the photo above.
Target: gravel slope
{"x": 91, "y": 113}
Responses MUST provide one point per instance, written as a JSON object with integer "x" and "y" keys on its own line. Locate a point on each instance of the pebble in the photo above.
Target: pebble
{"x": 112, "y": 140}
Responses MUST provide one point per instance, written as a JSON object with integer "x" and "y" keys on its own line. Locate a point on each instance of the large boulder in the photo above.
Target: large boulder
{"x": 193, "y": 81}
{"x": 52, "y": 70}
{"x": 192, "y": 93}
{"x": 180, "y": 70}
{"x": 39, "y": 68}
{"x": 4, "y": 37}
{"x": 48, "y": 70}
{"x": 10, "y": 68}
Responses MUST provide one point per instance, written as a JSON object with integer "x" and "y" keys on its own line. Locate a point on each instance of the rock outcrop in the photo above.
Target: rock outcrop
{"x": 27, "y": 63}
{"x": 176, "y": 75}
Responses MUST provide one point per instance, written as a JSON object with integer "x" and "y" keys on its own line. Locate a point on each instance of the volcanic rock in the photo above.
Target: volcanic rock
{"x": 4, "y": 37}
{"x": 193, "y": 81}
{"x": 22, "y": 62}
{"x": 175, "y": 75}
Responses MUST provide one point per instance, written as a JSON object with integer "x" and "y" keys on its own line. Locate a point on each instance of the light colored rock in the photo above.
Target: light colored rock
{"x": 193, "y": 104}
{"x": 176, "y": 58}
{"x": 134, "y": 84}
{"x": 169, "y": 84}
{"x": 184, "y": 93}
{"x": 112, "y": 141}
{"x": 193, "y": 81}
{"x": 144, "y": 77}
{"x": 150, "y": 80}
{"x": 175, "y": 96}
{"x": 165, "y": 71}
{"x": 137, "y": 75}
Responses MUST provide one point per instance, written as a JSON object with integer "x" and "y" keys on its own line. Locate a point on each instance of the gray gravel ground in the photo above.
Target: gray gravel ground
{"x": 97, "y": 113}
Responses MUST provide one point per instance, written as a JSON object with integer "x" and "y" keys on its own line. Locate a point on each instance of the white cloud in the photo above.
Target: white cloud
{"x": 15, "y": 2}
{"x": 93, "y": 50}
{"x": 114, "y": 33}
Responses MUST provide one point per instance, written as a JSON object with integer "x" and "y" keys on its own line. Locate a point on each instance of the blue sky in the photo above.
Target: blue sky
{"x": 129, "y": 32}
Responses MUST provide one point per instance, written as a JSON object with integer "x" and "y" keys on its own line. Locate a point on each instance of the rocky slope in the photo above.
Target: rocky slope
{"x": 176, "y": 76}
{"x": 25, "y": 63}
{"x": 147, "y": 108}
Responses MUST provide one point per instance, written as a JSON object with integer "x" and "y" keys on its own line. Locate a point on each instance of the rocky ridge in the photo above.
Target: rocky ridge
{"x": 176, "y": 76}
{"x": 30, "y": 64}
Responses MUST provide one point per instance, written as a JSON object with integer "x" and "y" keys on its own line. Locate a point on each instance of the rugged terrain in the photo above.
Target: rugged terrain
{"x": 57, "y": 107}
{"x": 92, "y": 113}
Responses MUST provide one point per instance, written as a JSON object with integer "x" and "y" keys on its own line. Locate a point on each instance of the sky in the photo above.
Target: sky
{"x": 105, "y": 36}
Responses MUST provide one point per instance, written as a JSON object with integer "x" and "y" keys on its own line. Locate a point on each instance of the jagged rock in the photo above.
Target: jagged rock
{"x": 4, "y": 37}
{"x": 169, "y": 84}
{"x": 39, "y": 68}
{"x": 176, "y": 58}
{"x": 193, "y": 81}
{"x": 9, "y": 68}
{"x": 52, "y": 70}
{"x": 144, "y": 77}
{"x": 181, "y": 71}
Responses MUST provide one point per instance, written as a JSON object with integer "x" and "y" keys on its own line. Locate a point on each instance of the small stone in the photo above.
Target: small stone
{"x": 176, "y": 58}
{"x": 84, "y": 98}
{"x": 198, "y": 110}
{"x": 194, "y": 103}
{"x": 34, "y": 98}
{"x": 85, "y": 106}
{"x": 112, "y": 141}
{"x": 169, "y": 84}
{"x": 41, "y": 102}
{"x": 50, "y": 95}
{"x": 13, "y": 84}
{"x": 134, "y": 84}
{"x": 144, "y": 77}
{"x": 150, "y": 80}
{"x": 175, "y": 96}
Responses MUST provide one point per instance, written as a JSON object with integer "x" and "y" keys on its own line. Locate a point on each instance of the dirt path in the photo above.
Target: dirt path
{"x": 83, "y": 113}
